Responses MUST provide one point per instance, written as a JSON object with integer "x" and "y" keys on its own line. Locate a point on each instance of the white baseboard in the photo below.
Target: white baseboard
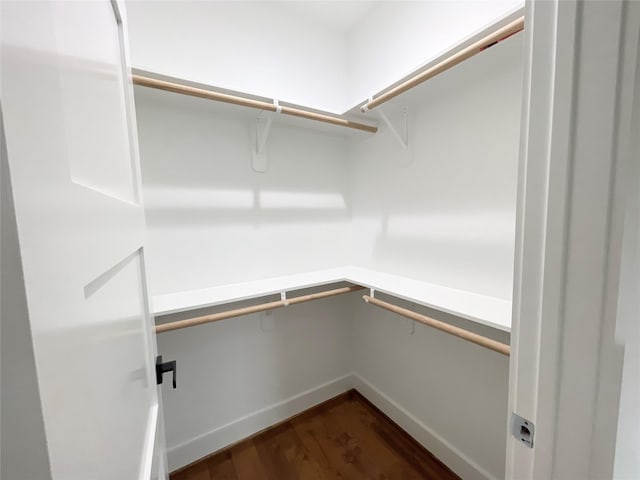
{"x": 453, "y": 458}
{"x": 188, "y": 452}
{"x": 203, "y": 445}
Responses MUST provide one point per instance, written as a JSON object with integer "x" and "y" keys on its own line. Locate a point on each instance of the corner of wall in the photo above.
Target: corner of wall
{"x": 443, "y": 450}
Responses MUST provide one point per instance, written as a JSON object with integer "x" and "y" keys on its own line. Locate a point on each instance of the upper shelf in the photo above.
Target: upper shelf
{"x": 490, "y": 311}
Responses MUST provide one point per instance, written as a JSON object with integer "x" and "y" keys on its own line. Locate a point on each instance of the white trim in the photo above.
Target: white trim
{"x": 447, "y": 453}
{"x": 540, "y": 224}
{"x": 149, "y": 451}
{"x": 207, "y": 443}
{"x": 568, "y": 236}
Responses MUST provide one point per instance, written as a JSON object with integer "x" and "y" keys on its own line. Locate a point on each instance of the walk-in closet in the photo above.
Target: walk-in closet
{"x": 249, "y": 206}
{"x": 320, "y": 239}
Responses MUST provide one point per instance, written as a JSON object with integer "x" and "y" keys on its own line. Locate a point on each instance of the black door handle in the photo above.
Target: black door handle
{"x": 164, "y": 367}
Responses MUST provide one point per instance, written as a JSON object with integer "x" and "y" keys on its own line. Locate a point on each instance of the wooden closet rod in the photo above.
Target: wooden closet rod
{"x": 248, "y": 102}
{"x": 468, "y": 52}
{"x": 445, "y": 327}
{"x": 215, "y": 317}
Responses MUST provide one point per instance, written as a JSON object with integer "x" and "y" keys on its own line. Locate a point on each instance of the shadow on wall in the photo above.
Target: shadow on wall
{"x": 446, "y": 215}
{"x": 193, "y": 206}
{"x": 196, "y": 157}
{"x": 212, "y": 220}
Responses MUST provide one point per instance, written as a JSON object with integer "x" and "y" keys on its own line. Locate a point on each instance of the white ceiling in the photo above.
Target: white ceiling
{"x": 339, "y": 14}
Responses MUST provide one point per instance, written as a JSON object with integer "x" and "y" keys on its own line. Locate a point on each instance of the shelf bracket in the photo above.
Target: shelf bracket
{"x": 402, "y": 133}
{"x": 283, "y": 298}
{"x": 259, "y": 161}
{"x": 412, "y": 323}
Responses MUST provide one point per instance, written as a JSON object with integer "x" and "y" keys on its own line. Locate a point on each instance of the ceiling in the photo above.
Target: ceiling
{"x": 341, "y": 15}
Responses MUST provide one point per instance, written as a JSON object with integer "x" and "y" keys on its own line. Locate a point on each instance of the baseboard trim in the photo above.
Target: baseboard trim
{"x": 453, "y": 458}
{"x": 184, "y": 454}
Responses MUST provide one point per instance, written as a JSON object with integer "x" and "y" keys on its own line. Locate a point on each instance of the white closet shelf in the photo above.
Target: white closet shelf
{"x": 236, "y": 292}
{"x": 490, "y": 311}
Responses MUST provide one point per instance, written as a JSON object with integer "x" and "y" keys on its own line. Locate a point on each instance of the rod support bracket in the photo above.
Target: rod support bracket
{"x": 259, "y": 161}
{"x": 365, "y": 108}
{"x": 283, "y": 298}
{"x": 400, "y": 132}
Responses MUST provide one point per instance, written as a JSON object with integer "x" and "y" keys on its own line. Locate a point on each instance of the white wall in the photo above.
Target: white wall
{"x": 396, "y": 38}
{"x": 261, "y": 48}
{"x": 292, "y": 52}
{"x": 212, "y": 220}
{"x": 445, "y": 211}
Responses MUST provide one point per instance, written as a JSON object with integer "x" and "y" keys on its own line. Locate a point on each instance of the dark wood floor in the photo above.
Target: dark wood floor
{"x": 345, "y": 438}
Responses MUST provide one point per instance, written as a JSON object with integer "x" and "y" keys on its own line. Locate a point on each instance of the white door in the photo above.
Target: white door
{"x": 73, "y": 160}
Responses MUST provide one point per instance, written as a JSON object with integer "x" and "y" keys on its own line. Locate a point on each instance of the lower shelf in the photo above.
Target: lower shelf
{"x": 491, "y": 311}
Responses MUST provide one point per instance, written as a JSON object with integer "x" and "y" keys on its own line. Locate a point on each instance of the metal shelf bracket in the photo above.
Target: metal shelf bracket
{"x": 401, "y": 132}
{"x": 259, "y": 161}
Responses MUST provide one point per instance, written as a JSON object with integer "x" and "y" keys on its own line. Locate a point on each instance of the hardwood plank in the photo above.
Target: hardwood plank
{"x": 335, "y": 451}
{"x": 247, "y": 463}
{"x": 376, "y": 458}
{"x": 221, "y": 467}
{"x": 284, "y": 456}
{"x": 359, "y": 423}
{"x": 345, "y": 438}
{"x": 404, "y": 444}
{"x": 347, "y": 451}
{"x": 270, "y": 446}
{"x": 306, "y": 429}
{"x": 405, "y": 455}
{"x": 306, "y": 465}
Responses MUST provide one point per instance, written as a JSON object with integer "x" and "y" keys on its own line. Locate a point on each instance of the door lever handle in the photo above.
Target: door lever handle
{"x": 164, "y": 367}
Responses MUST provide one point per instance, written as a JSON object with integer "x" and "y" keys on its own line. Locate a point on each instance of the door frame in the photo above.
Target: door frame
{"x": 565, "y": 367}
